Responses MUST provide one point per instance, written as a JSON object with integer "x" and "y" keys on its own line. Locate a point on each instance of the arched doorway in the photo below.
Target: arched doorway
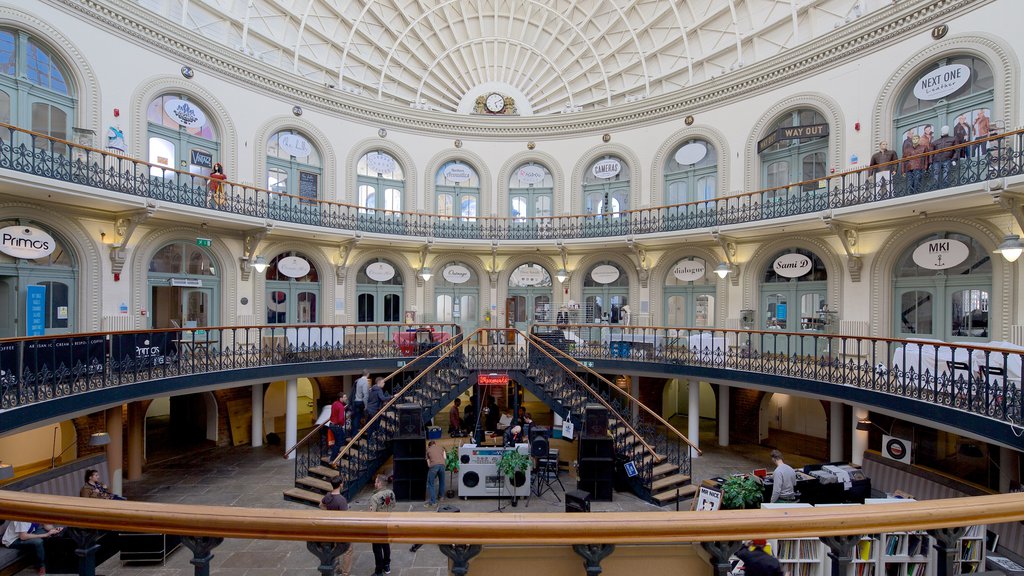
{"x": 275, "y": 401}
{"x": 293, "y": 290}
{"x": 457, "y": 298}
{"x": 605, "y": 292}
{"x": 49, "y": 275}
{"x": 184, "y": 286}
{"x": 529, "y": 296}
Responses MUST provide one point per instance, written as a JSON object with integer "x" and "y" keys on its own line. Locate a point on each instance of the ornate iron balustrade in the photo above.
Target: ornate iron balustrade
{"x": 40, "y": 155}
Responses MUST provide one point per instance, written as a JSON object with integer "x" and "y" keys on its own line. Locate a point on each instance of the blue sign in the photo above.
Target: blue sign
{"x": 780, "y": 311}
{"x": 35, "y": 310}
{"x": 630, "y": 469}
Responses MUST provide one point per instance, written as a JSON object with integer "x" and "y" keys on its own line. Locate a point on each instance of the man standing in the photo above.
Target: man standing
{"x": 943, "y": 159}
{"x": 883, "y": 181}
{"x": 383, "y": 500}
{"x": 359, "y": 397}
{"x": 758, "y": 562}
{"x": 961, "y": 134}
{"x": 334, "y": 500}
{"x": 783, "y": 480}
{"x": 981, "y": 129}
{"x": 377, "y": 398}
{"x": 435, "y": 473}
{"x": 337, "y": 424}
{"x": 915, "y": 163}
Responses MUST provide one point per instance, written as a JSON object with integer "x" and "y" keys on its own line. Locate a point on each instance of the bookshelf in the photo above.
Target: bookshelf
{"x": 865, "y": 557}
{"x": 970, "y": 553}
{"x": 905, "y": 554}
{"x": 800, "y": 556}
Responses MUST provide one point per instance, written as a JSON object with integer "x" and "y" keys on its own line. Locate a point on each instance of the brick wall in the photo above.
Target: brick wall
{"x": 746, "y": 407}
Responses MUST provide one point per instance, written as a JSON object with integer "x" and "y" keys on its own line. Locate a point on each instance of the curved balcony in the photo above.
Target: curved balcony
{"x": 39, "y": 155}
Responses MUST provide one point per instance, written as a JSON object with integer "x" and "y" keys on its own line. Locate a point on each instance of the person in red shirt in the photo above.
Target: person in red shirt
{"x": 455, "y": 427}
{"x": 337, "y": 423}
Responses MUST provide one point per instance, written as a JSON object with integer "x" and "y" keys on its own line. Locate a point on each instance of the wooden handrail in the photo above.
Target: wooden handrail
{"x": 479, "y": 528}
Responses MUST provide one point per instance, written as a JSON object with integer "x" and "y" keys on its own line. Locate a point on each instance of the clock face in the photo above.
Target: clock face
{"x": 495, "y": 102}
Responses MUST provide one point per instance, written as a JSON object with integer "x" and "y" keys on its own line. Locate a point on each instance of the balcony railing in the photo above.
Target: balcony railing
{"x": 40, "y": 155}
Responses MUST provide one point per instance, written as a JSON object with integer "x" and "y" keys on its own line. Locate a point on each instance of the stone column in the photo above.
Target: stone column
{"x": 115, "y": 450}
{"x": 136, "y": 439}
{"x": 291, "y": 416}
{"x": 835, "y": 431}
{"x": 723, "y": 414}
{"x": 693, "y": 416}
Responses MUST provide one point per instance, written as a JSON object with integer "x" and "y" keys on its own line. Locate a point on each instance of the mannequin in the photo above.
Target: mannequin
{"x": 217, "y": 178}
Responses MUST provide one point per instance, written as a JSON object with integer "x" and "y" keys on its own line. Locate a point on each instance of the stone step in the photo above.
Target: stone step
{"x": 303, "y": 496}
{"x": 314, "y": 484}
{"x": 665, "y": 468}
{"x": 669, "y": 496}
{"x": 663, "y": 483}
{"x": 325, "y": 472}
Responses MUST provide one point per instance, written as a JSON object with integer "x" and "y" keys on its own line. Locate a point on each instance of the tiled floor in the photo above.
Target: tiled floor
{"x": 256, "y": 477}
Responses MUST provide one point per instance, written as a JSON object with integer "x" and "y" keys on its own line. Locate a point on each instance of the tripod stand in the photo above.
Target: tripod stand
{"x": 547, "y": 475}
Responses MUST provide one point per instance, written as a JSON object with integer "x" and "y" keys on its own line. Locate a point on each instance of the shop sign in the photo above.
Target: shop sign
{"x": 531, "y": 175}
{"x": 792, "y": 133}
{"x": 201, "y": 158}
{"x": 456, "y": 274}
{"x": 294, "y": 145}
{"x": 293, "y": 266}
{"x": 380, "y": 271}
{"x": 26, "y": 242}
{"x": 689, "y": 270}
{"x": 604, "y": 274}
{"x": 605, "y": 169}
{"x": 940, "y": 254}
{"x": 691, "y": 153}
{"x": 187, "y": 282}
{"x": 528, "y": 276}
{"x": 185, "y": 114}
{"x": 457, "y": 173}
{"x": 792, "y": 265}
{"x": 492, "y": 379}
{"x": 942, "y": 82}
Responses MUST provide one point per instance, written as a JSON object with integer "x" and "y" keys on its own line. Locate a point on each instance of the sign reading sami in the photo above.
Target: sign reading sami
{"x": 942, "y": 82}
{"x": 293, "y": 266}
{"x": 792, "y": 265}
{"x": 380, "y": 271}
{"x": 940, "y": 254}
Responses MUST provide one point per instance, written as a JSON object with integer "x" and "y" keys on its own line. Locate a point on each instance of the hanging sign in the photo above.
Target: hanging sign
{"x": 605, "y": 169}
{"x": 380, "y": 271}
{"x": 604, "y": 274}
{"x": 527, "y": 276}
{"x": 26, "y": 242}
{"x": 492, "y": 379}
{"x": 380, "y": 163}
{"x": 456, "y": 274}
{"x": 689, "y": 270}
{"x": 295, "y": 145}
{"x": 531, "y": 175}
{"x": 942, "y": 82}
{"x": 792, "y": 133}
{"x": 940, "y": 254}
{"x": 691, "y": 153}
{"x": 293, "y": 266}
{"x": 185, "y": 113}
{"x": 792, "y": 265}
{"x": 457, "y": 173}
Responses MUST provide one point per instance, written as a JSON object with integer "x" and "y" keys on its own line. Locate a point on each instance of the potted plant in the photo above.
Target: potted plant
{"x": 739, "y": 492}
{"x": 513, "y": 465}
{"x": 451, "y": 464}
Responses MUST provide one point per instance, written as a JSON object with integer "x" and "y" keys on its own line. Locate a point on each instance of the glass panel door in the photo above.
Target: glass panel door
{"x": 196, "y": 306}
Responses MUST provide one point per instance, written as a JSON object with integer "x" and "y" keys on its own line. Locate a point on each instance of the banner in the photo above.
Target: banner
{"x": 143, "y": 350}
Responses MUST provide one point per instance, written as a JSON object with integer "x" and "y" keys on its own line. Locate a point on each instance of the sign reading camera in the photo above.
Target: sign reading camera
{"x": 26, "y": 242}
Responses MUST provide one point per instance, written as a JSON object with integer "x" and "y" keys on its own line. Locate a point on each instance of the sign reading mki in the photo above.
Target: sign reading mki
{"x": 940, "y": 254}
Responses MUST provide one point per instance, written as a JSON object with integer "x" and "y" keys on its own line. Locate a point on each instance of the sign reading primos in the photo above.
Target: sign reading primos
{"x": 26, "y": 242}
{"x": 940, "y": 254}
{"x": 792, "y": 133}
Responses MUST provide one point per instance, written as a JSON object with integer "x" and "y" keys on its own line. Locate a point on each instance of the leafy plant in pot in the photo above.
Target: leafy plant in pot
{"x": 451, "y": 464}
{"x": 513, "y": 465}
{"x": 739, "y": 492}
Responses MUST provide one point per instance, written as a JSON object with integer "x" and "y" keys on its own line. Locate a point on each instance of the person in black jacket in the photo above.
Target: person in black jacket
{"x": 377, "y": 398}
{"x": 756, "y": 561}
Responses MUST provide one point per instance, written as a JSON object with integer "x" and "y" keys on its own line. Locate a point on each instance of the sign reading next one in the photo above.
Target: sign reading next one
{"x": 26, "y": 242}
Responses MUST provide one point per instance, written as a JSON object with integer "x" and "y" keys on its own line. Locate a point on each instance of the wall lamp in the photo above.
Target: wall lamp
{"x": 1011, "y": 248}
{"x": 99, "y": 439}
{"x": 562, "y": 275}
{"x": 260, "y": 264}
{"x": 723, "y": 270}
{"x": 426, "y": 274}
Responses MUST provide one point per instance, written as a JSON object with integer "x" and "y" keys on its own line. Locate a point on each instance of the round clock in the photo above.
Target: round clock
{"x": 495, "y": 102}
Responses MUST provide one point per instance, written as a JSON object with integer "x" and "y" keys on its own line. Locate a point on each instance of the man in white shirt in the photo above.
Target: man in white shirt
{"x": 29, "y": 536}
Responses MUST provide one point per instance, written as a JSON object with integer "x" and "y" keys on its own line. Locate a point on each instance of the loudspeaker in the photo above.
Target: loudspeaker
{"x": 601, "y": 490}
{"x": 597, "y": 469}
{"x": 595, "y": 421}
{"x": 410, "y": 478}
{"x": 410, "y": 420}
{"x": 539, "y": 444}
{"x": 409, "y": 448}
{"x": 596, "y": 448}
{"x": 577, "y": 501}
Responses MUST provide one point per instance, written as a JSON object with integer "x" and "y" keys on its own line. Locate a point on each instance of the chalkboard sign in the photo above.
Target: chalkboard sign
{"x": 308, "y": 185}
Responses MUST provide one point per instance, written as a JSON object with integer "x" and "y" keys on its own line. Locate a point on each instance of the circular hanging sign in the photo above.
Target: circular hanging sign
{"x": 691, "y": 153}
{"x": 940, "y": 254}
{"x": 294, "y": 145}
{"x": 185, "y": 113}
{"x": 380, "y": 271}
{"x": 380, "y": 163}
{"x": 457, "y": 172}
{"x": 792, "y": 265}
{"x": 293, "y": 266}
{"x": 26, "y": 242}
{"x": 528, "y": 276}
{"x": 689, "y": 270}
{"x": 607, "y": 168}
{"x": 604, "y": 274}
{"x": 942, "y": 82}
{"x": 456, "y": 274}
{"x": 531, "y": 175}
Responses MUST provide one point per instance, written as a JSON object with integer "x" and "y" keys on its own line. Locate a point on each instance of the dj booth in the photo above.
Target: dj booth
{"x": 479, "y": 476}
{"x": 827, "y": 484}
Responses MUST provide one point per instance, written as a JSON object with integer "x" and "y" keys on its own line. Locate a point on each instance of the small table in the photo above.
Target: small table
{"x": 189, "y": 346}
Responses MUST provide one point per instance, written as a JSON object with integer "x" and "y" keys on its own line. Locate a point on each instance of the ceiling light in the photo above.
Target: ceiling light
{"x": 1011, "y": 248}
{"x": 562, "y": 275}
{"x": 99, "y": 439}
{"x": 723, "y": 270}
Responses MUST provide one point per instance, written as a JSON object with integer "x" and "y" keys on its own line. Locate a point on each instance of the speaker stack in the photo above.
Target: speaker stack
{"x": 410, "y": 451}
{"x": 596, "y": 455}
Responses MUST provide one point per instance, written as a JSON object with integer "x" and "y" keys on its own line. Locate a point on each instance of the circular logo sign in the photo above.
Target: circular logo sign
{"x": 792, "y": 265}
{"x": 185, "y": 113}
{"x": 940, "y": 254}
{"x": 457, "y": 172}
{"x": 456, "y": 274}
{"x": 380, "y": 163}
{"x": 528, "y": 276}
{"x": 380, "y": 271}
{"x": 895, "y": 448}
{"x": 531, "y": 175}
{"x": 606, "y": 168}
{"x": 604, "y": 274}
{"x": 293, "y": 267}
{"x": 26, "y": 242}
{"x": 942, "y": 82}
{"x": 689, "y": 270}
{"x": 294, "y": 145}
{"x": 691, "y": 153}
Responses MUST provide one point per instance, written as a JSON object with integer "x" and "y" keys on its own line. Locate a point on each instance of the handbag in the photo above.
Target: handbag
{"x": 567, "y": 427}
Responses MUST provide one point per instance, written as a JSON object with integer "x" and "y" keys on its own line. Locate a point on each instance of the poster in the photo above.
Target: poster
{"x": 708, "y": 499}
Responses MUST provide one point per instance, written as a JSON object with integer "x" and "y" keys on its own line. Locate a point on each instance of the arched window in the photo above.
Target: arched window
{"x": 529, "y": 296}
{"x": 379, "y": 292}
{"x": 34, "y": 92}
{"x": 942, "y": 289}
{"x": 293, "y": 290}
{"x": 690, "y": 294}
{"x": 605, "y": 292}
{"x": 457, "y": 296}
{"x": 691, "y": 173}
{"x": 293, "y": 165}
{"x": 530, "y": 191}
{"x": 52, "y": 278}
{"x": 925, "y": 106}
{"x": 606, "y": 187}
{"x": 788, "y": 159}
{"x": 181, "y": 137}
{"x": 380, "y": 182}
{"x": 794, "y": 292}
{"x": 184, "y": 285}
{"x": 457, "y": 188}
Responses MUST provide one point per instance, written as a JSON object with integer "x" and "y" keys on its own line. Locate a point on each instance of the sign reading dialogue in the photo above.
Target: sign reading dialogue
{"x": 792, "y": 265}
{"x": 26, "y": 242}
{"x": 942, "y": 82}
{"x": 689, "y": 270}
{"x": 940, "y": 254}
{"x": 293, "y": 266}
{"x": 380, "y": 271}
{"x": 456, "y": 274}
